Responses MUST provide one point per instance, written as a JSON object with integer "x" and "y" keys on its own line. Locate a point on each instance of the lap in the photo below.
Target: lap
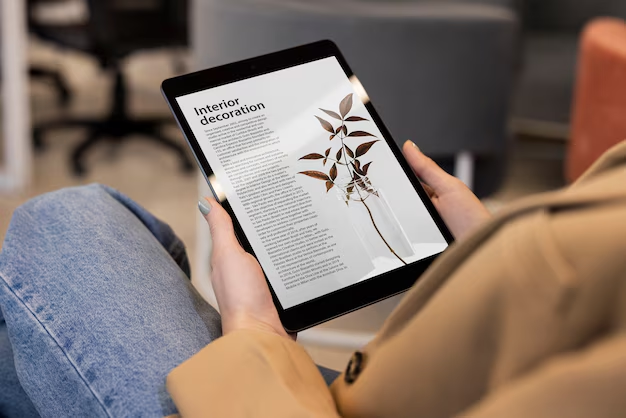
{"x": 97, "y": 305}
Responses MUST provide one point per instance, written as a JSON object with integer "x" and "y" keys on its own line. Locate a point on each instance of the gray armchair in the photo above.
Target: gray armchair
{"x": 439, "y": 72}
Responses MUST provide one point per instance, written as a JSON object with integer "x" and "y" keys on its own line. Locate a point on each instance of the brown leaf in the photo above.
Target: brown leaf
{"x": 365, "y": 168}
{"x": 313, "y": 156}
{"x": 345, "y": 105}
{"x": 331, "y": 137}
{"x": 349, "y": 152}
{"x": 329, "y": 185}
{"x": 360, "y": 133}
{"x": 327, "y": 152}
{"x": 333, "y": 172}
{"x": 357, "y": 167}
{"x": 371, "y": 191}
{"x": 324, "y": 162}
{"x": 339, "y": 154}
{"x": 363, "y": 148}
{"x": 350, "y": 189}
{"x": 345, "y": 130}
{"x": 365, "y": 187}
{"x": 316, "y": 175}
{"x": 338, "y": 129}
{"x": 331, "y": 113}
{"x": 355, "y": 119}
{"x": 326, "y": 125}
{"x": 369, "y": 184}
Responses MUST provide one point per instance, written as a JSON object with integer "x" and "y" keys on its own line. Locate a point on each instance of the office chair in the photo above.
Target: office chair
{"x": 47, "y": 74}
{"x": 57, "y": 80}
{"x": 114, "y": 30}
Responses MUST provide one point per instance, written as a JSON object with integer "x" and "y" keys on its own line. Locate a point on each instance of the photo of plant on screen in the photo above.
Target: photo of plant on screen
{"x": 348, "y": 173}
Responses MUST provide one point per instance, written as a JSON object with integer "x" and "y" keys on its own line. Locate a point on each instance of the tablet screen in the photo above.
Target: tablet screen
{"x": 316, "y": 188}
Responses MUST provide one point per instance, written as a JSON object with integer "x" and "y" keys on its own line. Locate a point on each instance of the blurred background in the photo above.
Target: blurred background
{"x": 515, "y": 97}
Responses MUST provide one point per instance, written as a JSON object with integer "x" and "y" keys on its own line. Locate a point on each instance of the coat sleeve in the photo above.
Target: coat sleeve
{"x": 580, "y": 384}
{"x": 250, "y": 373}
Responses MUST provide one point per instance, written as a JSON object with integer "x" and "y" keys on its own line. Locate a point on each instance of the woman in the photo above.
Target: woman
{"x": 522, "y": 316}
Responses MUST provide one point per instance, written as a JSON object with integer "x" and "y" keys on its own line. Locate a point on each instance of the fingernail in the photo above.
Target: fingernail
{"x": 204, "y": 207}
{"x": 415, "y": 145}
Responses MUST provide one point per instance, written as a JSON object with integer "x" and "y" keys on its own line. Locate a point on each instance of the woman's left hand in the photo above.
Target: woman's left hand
{"x": 240, "y": 288}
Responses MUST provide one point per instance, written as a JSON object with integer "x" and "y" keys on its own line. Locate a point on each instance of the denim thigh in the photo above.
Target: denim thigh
{"x": 98, "y": 305}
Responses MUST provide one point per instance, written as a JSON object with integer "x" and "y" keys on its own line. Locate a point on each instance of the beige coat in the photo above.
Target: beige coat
{"x": 525, "y": 318}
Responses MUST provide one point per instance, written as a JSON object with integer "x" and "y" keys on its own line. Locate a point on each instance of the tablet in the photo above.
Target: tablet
{"x": 318, "y": 191}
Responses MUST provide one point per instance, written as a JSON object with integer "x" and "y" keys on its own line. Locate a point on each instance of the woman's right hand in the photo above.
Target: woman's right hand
{"x": 458, "y": 206}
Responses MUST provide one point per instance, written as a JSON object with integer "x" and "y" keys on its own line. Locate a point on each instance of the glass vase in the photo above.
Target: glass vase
{"x": 374, "y": 221}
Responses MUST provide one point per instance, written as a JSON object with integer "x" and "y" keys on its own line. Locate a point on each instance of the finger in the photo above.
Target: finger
{"x": 429, "y": 190}
{"x": 220, "y": 224}
{"x": 426, "y": 169}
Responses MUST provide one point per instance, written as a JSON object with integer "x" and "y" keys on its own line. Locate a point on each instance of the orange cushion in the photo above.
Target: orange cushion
{"x": 599, "y": 112}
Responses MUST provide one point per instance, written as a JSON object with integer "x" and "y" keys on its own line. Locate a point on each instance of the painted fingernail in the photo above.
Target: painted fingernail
{"x": 204, "y": 207}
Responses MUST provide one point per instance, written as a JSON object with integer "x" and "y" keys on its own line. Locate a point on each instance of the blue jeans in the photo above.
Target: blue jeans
{"x": 98, "y": 306}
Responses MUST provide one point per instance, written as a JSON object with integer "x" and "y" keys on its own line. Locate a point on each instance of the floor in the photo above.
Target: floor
{"x": 151, "y": 176}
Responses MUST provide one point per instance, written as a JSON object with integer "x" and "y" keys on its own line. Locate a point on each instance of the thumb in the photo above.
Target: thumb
{"x": 427, "y": 170}
{"x": 220, "y": 224}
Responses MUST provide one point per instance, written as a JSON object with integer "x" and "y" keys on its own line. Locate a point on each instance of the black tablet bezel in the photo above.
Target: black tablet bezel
{"x": 350, "y": 298}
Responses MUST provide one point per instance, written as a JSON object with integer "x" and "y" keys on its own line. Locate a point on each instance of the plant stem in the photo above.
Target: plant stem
{"x": 350, "y": 171}
{"x": 337, "y": 161}
{"x": 381, "y": 235}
